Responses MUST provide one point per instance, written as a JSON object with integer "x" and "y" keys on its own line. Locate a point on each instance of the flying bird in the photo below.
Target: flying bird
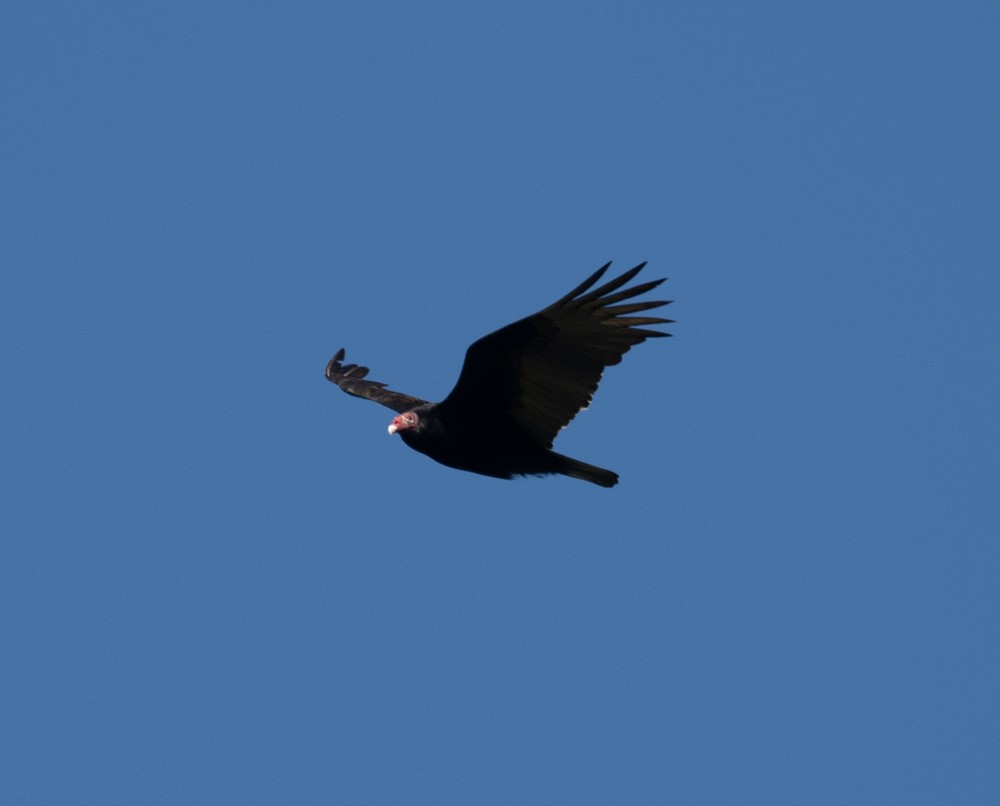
{"x": 521, "y": 385}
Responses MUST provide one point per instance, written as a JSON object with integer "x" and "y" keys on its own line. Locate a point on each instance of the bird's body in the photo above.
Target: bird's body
{"x": 502, "y": 452}
{"x": 520, "y": 385}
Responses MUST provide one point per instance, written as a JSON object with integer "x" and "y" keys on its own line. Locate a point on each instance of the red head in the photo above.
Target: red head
{"x": 404, "y": 422}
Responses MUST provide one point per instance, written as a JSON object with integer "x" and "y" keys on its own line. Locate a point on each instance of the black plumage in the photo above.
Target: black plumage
{"x": 522, "y": 384}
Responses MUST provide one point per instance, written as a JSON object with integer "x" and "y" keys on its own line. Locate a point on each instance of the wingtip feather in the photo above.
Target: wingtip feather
{"x": 597, "y": 275}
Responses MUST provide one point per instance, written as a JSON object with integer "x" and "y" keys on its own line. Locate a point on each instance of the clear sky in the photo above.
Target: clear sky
{"x": 223, "y": 582}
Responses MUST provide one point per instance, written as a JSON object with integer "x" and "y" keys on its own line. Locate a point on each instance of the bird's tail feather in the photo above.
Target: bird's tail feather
{"x": 581, "y": 470}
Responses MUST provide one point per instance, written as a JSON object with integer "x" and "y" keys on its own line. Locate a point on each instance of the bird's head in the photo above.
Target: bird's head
{"x": 404, "y": 422}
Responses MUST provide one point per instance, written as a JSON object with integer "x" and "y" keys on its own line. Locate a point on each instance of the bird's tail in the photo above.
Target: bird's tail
{"x": 576, "y": 469}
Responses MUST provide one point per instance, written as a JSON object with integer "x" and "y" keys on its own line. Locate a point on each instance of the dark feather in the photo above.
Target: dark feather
{"x": 542, "y": 370}
{"x": 351, "y": 378}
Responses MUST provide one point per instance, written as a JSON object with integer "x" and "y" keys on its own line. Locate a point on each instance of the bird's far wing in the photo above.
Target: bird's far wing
{"x": 542, "y": 370}
{"x": 351, "y": 378}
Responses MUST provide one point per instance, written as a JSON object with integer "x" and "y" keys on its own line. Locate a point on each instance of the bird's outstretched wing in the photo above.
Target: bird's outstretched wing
{"x": 542, "y": 370}
{"x": 351, "y": 378}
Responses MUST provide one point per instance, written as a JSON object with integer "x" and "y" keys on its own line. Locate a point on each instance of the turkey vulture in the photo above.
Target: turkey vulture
{"x": 521, "y": 385}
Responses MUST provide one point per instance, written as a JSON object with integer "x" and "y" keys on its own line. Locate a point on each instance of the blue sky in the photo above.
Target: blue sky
{"x": 224, "y": 583}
